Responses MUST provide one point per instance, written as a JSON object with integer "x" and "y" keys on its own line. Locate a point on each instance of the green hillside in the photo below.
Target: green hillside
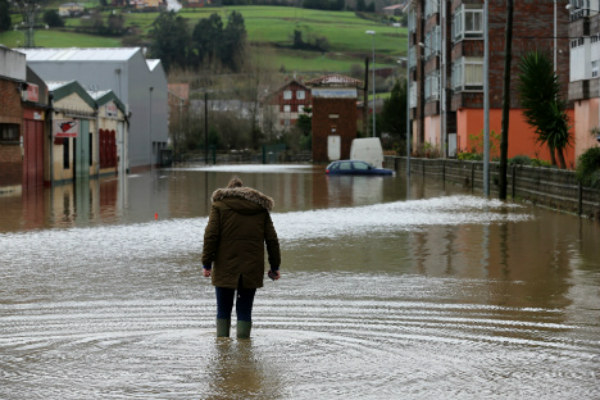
{"x": 269, "y": 28}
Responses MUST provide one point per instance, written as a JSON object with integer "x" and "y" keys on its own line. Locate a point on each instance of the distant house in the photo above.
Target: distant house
{"x": 196, "y": 3}
{"x": 141, "y": 4}
{"x": 140, "y": 84}
{"x": 70, "y": 9}
{"x": 394, "y": 10}
{"x": 286, "y": 104}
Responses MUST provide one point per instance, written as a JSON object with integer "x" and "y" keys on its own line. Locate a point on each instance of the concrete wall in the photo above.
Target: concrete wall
{"x": 12, "y": 64}
{"x": 549, "y": 187}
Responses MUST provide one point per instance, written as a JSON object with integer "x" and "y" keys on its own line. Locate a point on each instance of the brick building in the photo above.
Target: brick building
{"x": 445, "y": 57}
{"x": 584, "y": 79}
{"x": 285, "y": 105}
{"x": 334, "y": 117}
{"x": 12, "y": 80}
{"x": 23, "y": 107}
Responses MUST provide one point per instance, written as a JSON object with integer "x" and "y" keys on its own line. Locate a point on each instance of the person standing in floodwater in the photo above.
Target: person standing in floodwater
{"x": 238, "y": 227}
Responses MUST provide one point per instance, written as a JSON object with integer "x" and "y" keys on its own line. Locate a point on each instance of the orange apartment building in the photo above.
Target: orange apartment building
{"x": 445, "y": 57}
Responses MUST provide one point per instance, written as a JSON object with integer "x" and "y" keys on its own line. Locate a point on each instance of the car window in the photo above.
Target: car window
{"x": 333, "y": 166}
{"x": 363, "y": 166}
{"x": 345, "y": 166}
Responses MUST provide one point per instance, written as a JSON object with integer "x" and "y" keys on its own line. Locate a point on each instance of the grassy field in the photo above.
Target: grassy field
{"x": 267, "y": 27}
{"x": 55, "y": 38}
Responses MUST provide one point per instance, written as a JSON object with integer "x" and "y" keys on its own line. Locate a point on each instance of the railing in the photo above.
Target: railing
{"x": 549, "y": 187}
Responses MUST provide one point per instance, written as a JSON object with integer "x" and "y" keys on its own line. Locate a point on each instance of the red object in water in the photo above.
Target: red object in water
{"x": 155, "y": 215}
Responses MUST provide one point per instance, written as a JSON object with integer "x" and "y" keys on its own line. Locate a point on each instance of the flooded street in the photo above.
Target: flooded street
{"x": 434, "y": 294}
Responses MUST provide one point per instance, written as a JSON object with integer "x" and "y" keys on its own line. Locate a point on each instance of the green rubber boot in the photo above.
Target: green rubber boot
{"x": 223, "y": 326}
{"x": 243, "y": 329}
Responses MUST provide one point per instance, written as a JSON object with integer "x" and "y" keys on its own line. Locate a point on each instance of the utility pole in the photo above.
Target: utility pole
{"x": 486, "y": 102}
{"x": 366, "y": 99}
{"x": 206, "y": 127}
{"x": 506, "y": 99}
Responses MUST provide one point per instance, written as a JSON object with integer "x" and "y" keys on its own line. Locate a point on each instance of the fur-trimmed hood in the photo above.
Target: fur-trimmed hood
{"x": 245, "y": 193}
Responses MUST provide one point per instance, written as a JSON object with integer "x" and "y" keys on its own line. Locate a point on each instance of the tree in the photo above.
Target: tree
{"x": 393, "y": 115}
{"x": 29, "y": 10}
{"x": 207, "y": 37}
{"x": 52, "y": 18}
{"x": 234, "y": 41}
{"x": 170, "y": 39}
{"x": 116, "y": 24}
{"x": 5, "y": 21}
{"x": 539, "y": 92}
{"x": 360, "y": 5}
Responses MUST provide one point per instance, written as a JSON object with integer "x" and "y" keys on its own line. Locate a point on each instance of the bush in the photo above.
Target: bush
{"x": 519, "y": 160}
{"x": 526, "y": 160}
{"x": 466, "y": 156}
{"x": 588, "y": 168}
{"x": 53, "y": 19}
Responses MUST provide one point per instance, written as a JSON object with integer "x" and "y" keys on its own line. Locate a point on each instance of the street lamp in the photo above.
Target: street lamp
{"x": 372, "y": 33}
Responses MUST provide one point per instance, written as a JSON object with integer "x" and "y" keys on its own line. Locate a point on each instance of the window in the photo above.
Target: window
{"x": 468, "y": 22}
{"x": 413, "y": 94}
{"x": 432, "y": 42}
{"x": 300, "y": 95}
{"x": 431, "y": 7}
{"x": 361, "y": 166}
{"x": 287, "y": 108}
{"x": 345, "y": 166}
{"x": 595, "y": 68}
{"x": 300, "y": 108}
{"x": 467, "y": 74}
{"x": 412, "y": 57}
{"x": 9, "y": 133}
{"x": 412, "y": 20}
{"x": 287, "y": 94}
{"x": 432, "y": 86}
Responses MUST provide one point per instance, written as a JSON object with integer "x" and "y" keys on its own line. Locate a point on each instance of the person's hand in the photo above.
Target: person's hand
{"x": 274, "y": 275}
{"x": 206, "y": 273}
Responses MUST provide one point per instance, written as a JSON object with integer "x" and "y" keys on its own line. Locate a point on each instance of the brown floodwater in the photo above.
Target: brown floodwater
{"x": 388, "y": 290}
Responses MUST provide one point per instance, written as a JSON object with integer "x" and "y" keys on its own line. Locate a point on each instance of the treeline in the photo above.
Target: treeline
{"x": 312, "y": 42}
{"x": 260, "y": 2}
{"x": 209, "y": 43}
{"x": 333, "y": 5}
{"x": 5, "y": 22}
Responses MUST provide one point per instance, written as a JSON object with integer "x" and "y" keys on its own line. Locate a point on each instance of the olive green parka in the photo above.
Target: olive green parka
{"x": 238, "y": 227}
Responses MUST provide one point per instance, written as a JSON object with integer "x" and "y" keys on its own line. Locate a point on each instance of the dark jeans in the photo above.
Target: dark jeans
{"x": 243, "y": 304}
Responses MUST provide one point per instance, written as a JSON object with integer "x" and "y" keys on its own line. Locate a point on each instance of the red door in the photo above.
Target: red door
{"x": 33, "y": 153}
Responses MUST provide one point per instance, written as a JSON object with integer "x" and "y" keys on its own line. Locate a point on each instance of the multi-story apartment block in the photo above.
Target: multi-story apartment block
{"x": 446, "y": 70}
{"x": 584, "y": 78}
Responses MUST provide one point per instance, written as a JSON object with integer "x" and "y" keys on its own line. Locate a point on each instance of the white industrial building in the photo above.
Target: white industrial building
{"x": 140, "y": 84}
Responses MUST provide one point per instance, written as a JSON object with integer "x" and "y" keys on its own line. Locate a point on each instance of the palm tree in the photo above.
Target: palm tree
{"x": 544, "y": 109}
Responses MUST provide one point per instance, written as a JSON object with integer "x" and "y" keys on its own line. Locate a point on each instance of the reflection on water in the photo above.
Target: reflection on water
{"x": 445, "y": 295}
